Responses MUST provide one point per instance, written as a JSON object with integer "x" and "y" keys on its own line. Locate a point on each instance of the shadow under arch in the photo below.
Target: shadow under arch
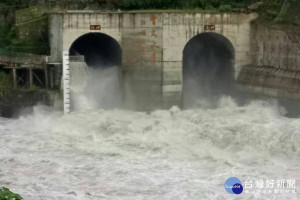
{"x": 99, "y": 50}
{"x": 208, "y": 68}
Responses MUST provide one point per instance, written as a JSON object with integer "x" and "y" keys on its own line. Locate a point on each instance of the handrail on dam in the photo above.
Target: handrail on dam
{"x": 15, "y": 59}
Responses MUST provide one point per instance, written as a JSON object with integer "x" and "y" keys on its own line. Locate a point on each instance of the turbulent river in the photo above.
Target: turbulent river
{"x": 166, "y": 154}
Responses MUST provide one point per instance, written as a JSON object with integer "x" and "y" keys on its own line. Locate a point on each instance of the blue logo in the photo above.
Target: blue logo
{"x": 233, "y": 186}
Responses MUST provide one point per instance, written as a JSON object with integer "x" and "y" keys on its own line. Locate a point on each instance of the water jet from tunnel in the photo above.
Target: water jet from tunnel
{"x": 101, "y": 86}
{"x": 208, "y": 68}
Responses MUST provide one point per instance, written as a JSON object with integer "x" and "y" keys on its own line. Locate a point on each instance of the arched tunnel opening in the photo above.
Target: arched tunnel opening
{"x": 208, "y": 68}
{"x": 103, "y": 56}
{"x": 99, "y": 50}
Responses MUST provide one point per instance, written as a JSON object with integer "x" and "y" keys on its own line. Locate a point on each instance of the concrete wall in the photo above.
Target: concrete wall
{"x": 78, "y": 24}
{"x": 275, "y": 46}
{"x": 275, "y": 62}
{"x": 56, "y": 37}
{"x": 152, "y": 45}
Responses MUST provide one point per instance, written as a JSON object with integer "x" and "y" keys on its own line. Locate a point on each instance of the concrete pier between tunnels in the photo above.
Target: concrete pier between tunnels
{"x": 95, "y": 83}
{"x": 208, "y": 68}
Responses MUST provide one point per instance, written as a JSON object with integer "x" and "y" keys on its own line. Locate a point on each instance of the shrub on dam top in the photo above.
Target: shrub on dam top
{"x": 6, "y": 194}
{"x": 5, "y": 83}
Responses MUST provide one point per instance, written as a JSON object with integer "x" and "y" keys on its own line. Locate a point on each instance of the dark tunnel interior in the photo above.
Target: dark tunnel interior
{"x": 99, "y": 50}
{"x": 208, "y": 68}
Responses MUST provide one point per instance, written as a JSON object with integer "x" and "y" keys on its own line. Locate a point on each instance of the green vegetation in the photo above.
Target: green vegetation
{"x": 14, "y": 2}
{"x": 7, "y": 35}
{"x": 5, "y": 84}
{"x": 270, "y": 9}
{"x": 179, "y": 4}
{"x": 10, "y": 42}
{"x": 279, "y": 11}
{"x": 25, "y": 37}
{"x": 225, "y": 8}
{"x": 6, "y": 194}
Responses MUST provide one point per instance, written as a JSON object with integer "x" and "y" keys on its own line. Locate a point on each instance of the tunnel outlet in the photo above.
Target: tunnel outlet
{"x": 98, "y": 85}
{"x": 208, "y": 68}
{"x": 99, "y": 50}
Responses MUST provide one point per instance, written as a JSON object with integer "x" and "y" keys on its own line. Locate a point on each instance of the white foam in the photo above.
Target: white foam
{"x": 167, "y": 154}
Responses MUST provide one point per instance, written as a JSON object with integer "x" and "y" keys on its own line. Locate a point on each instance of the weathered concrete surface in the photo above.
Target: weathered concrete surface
{"x": 56, "y": 38}
{"x": 275, "y": 65}
{"x": 275, "y": 46}
{"x": 270, "y": 81}
{"x": 152, "y": 45}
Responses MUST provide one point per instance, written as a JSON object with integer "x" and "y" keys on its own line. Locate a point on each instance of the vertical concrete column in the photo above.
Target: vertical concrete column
{"x": 175, "y": 37}
{"x": 142, "y": 60}
{"x": 30, "y": 77}
{"x": 66, "y": 82}
{"x": 51, "y": 77}
{"x": 15, "y": 77}
{"x": 46, "y": 77}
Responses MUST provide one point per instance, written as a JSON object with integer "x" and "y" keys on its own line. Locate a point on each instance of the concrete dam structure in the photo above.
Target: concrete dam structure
{"x": 160, "y": 54}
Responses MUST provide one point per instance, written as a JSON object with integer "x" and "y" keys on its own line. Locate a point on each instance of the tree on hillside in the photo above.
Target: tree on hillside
{"x": 284, "y": 8}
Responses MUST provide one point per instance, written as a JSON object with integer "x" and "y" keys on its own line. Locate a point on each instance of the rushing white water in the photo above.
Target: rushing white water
{"x": 167, "y": 154}
{"x": 90, "y": 87}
